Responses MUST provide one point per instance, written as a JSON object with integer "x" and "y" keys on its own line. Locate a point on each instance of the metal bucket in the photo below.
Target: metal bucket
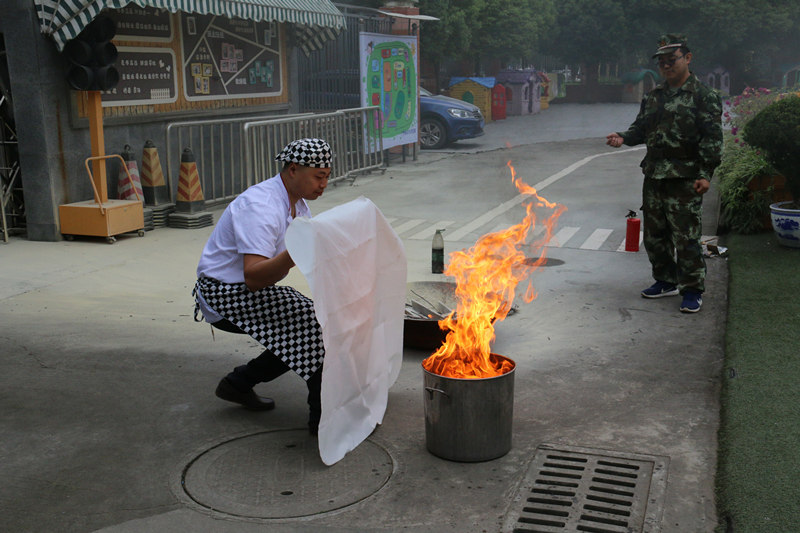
{"x": 469, "y": 420}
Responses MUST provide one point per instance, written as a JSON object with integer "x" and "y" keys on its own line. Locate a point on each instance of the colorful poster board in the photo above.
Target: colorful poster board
{"x": 229, "y": 58}
{"x": 389, "y": 81}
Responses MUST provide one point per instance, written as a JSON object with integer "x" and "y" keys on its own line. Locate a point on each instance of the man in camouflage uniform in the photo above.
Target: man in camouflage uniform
{"x": 680, "y": 122}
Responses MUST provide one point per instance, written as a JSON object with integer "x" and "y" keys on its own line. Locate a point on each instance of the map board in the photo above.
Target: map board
{"x": 389, "y": 80}
{"x": 229, "y": 58}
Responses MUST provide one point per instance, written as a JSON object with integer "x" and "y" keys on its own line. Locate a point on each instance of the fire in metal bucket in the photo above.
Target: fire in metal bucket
{"x": 487, "y": 275}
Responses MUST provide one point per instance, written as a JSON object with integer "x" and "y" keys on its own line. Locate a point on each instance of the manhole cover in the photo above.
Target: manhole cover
{"x": 278, "y": 474}
{"x": 579, "y": 489}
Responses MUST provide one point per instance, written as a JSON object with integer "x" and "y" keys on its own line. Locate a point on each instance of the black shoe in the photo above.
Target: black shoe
{"x": 251, "y": 400}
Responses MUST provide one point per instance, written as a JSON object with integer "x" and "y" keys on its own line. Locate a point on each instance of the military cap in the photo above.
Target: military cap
{"x": 670, "y": 43}
{"x": 315, "y": 153}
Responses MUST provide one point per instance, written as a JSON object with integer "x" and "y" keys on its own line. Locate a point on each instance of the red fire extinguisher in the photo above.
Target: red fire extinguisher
{"x": 632, "y": 232}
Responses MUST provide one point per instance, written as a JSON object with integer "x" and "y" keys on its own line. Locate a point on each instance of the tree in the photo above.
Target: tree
{"x": 510, "y": 31}
{"x": 751, "y": 38}
{"x": 748, "y": 37}
{"x": 450, "y": 37}
{"x": 589, "y": 32}
{"x": 485, "y": 31}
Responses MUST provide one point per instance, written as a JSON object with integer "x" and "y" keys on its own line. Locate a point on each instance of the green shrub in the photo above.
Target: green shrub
{"x": 745, "y": 208}
{"x": 776, "y": 131}
{"x": 742, "y": 210}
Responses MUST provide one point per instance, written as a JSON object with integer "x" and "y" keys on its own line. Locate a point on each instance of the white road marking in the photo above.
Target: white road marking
{"x": 596, "y": 239}
{"x": 562, "y": 236}
{"x": 428, "y": 232}
{"x": 407, "y": 225}
{"x": 476, "y": 223}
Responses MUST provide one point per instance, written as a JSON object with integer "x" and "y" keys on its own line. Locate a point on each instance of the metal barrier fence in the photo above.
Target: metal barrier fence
{"x": 353, "y": 134}
{"x": 218, "y": 146}
{"x": 234, "y": 153}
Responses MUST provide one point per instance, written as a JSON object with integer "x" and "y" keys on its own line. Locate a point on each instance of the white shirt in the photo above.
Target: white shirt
{"x": 254, "y": 223}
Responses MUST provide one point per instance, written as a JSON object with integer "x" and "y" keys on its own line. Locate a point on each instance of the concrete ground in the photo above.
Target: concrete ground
{"x": 107, "y": 410}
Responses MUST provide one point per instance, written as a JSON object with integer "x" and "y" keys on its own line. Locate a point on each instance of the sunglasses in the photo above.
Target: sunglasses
{"x": 664, "y": 63}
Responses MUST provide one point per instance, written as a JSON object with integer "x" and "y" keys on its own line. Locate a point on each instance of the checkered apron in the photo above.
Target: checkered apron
{"x": 278, "y": 317}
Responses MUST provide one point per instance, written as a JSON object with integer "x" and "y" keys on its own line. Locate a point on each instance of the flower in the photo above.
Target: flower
{"x": 745, "y": 106}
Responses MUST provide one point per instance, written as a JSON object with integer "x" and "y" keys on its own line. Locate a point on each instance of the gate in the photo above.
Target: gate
{"x": 329, "y": 77}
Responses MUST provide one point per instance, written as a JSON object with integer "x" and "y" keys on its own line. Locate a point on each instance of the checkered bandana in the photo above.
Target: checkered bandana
{"x": 278, "y": 317}
{"x": 307, "y": 152}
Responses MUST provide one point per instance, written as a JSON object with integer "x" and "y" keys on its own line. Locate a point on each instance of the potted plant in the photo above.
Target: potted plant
{"x": 747, "y": 188}
{"x": 747, "y": 182}
{"x": 776, "y": 131}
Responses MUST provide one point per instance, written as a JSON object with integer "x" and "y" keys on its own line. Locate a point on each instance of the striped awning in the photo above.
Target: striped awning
{"x": 316, "y": 20}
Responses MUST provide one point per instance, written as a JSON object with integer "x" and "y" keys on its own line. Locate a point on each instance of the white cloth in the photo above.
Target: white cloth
{"x": 355, "y": 266}
{"x": 254, "y": 223}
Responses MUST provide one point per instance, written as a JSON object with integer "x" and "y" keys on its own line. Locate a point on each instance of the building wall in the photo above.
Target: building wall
{"x": 54, "y": 139}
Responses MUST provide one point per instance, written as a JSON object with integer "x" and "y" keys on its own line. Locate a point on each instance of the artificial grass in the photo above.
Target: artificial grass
{"x": 758, "y": 475}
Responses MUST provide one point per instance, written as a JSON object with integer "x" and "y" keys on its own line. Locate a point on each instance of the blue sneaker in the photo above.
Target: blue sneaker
{"x": 692, "y": 301}
{"x": 659, "y": 289}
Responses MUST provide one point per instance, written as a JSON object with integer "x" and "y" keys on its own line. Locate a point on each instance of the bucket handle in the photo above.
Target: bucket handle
{"x": 431, "y": 390}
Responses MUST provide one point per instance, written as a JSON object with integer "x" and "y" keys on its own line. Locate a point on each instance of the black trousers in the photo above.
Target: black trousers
{"x": 267, "y": 367}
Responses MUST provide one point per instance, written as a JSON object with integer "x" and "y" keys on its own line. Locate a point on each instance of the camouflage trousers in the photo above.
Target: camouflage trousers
{"x": 672, "y": 226}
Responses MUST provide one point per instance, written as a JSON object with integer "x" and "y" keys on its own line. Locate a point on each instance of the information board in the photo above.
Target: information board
{"x": 142, "y": 23}
{"x": 146, "y": 76}
{"x": 229, "y": 58}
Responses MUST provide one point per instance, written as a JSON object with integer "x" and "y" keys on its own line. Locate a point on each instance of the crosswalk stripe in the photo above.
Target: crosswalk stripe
{"x": 428, "y": 232}
{"x": 409, "y": 224}
{"x": 562, "y": 236}
{"x": 505, "y": 206}
{"x": 596, "y": 239}
{"x": 501, "y": 227}
{"x": 622, "y": 246}
{"x": 484, "y": 218}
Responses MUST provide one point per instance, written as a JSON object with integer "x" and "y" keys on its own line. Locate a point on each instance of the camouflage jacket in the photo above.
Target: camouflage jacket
{"x": 682, "y": 129}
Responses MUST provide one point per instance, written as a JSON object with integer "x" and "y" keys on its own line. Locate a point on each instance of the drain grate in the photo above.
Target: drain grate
{"x": 580, "y": 489}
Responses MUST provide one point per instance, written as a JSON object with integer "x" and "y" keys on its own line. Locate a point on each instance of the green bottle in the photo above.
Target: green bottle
{"x": 437, "y": 253}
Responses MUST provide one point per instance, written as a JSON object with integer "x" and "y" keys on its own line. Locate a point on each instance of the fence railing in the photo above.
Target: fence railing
{"x": 218, "y": 147}
{"x": 353, "y": 134}
{"x": 234, "y": 153}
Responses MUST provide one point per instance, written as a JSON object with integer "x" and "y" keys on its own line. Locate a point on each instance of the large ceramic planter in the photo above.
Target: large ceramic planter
{"x": 786, "y": 223}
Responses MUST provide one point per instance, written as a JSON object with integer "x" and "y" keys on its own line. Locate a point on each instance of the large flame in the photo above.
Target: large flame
{"x": 486, "y": 277}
